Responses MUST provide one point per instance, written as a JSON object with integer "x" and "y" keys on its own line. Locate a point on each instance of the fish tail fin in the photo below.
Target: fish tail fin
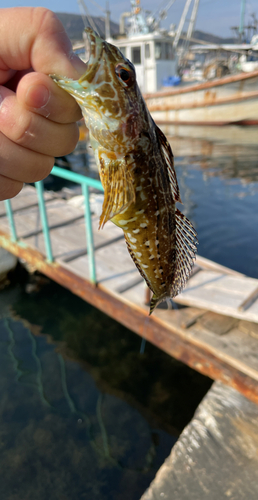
{"x": 186, "y": 248}
{"x": 154, "y": 302}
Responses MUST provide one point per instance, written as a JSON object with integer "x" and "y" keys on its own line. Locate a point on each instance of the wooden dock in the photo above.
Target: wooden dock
{"x": 216, "y": 330}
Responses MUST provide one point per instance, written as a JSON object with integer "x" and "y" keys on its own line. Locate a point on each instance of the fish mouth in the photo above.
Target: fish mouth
{"x": 78, "y": 88}
{"x": 96, "y": 44}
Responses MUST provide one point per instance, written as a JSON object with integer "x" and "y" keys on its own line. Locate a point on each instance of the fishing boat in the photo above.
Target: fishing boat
{"x": 156, "y": 54}
{"x": 231, "y": 99}
{"x": 224, "y": 101}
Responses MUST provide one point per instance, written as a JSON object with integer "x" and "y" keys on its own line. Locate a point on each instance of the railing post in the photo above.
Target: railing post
{"x": 9, "y": 211}
{"x": 44, "y": 222}
{"x": 89, "y": 234}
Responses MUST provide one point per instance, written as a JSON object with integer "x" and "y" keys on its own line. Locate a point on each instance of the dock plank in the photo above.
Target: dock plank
{"x": 113, "y": 265}
{"x": 220, "y": 293}
{"x": 235, "y": 347}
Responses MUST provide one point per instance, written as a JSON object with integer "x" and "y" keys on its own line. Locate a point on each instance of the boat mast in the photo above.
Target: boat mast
{"x": 87, "y": 17}
{"x": 242, "y": 20}
{"x": 192, "y": 20}
{"x": 107, "y": 22}
{"x": 181, "y": 23}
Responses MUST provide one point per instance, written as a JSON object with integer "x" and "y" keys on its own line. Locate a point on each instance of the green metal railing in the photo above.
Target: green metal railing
{"x": 86, "y": 183}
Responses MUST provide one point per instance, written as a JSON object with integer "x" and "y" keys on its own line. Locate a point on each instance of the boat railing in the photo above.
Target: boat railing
{"x": 86, "y": 183}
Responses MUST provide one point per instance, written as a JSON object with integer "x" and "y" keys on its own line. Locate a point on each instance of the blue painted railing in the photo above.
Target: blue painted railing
{"x": 86, "y": 183}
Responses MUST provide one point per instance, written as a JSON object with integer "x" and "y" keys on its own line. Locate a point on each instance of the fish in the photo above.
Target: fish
{"x": 136, "y": 168}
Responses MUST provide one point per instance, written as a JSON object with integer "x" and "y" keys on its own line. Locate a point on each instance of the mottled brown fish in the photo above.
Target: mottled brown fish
{"x": 136, "y": 169}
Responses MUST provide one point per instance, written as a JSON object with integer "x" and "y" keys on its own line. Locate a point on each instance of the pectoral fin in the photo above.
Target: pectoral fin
{"x": 118, "y": 190}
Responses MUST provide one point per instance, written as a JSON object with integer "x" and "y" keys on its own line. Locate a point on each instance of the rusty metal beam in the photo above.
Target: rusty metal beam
{"x": 198, "y": 357}
{"x": 207, "y": 123}
{"x": 208, "y": 100}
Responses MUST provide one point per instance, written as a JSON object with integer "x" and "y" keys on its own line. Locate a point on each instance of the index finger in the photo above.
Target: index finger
{"x": 38, "y": 93}
{"x": 34, "y": 37}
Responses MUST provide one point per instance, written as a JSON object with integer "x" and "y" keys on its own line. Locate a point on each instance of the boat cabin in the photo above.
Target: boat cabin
{"x": 153, "y": 57}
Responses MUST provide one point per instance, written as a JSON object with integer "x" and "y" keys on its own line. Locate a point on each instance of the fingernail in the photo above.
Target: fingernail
{"x": 37, "y": 96}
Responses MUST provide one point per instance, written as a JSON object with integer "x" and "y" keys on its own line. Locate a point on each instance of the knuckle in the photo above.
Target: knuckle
{"x": 44, "y": 18}
{"x": 24, "y": 131}
{"x": 48, "y": 22}
{"x": 16, "y": 123}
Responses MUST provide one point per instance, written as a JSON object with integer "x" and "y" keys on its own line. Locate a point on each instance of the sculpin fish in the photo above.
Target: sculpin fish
{"x": 136, "y": 169}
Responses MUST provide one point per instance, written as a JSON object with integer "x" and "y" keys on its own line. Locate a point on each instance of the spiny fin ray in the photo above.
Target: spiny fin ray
{"x": 169, "y": 162}
{"x": 186, "y": 248}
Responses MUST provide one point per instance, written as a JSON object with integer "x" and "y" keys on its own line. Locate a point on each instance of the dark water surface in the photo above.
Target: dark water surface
{"x": 219, "y": 188}
{"x": 83, "y": 415}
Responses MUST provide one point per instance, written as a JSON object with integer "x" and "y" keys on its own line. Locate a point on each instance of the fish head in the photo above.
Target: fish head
{"x": 111, "y": 102}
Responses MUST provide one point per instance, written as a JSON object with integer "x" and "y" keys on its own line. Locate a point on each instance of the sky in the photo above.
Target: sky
{"x": 214, "y": 16}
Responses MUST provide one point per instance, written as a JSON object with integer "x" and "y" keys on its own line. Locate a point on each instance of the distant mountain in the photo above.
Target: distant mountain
{"x": 207, "y": 37}
{"x": 74, "y": 25}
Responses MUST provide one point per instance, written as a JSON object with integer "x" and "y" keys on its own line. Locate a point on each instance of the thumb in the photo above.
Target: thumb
{"x": 34, "y": 37}
{"x": 52, "y": 50}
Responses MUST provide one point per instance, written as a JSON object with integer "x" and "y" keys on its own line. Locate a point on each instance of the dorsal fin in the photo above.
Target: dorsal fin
{"x": 169, "y": 161}
{"x": 118, "y": 190}
{"x": 186, "y": 248}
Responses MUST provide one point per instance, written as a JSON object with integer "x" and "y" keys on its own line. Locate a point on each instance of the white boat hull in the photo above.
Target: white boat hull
{"x": 229, "y": 100}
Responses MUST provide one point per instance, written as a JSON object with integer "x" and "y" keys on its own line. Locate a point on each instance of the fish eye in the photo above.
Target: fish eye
{"x": 125, "y": 75}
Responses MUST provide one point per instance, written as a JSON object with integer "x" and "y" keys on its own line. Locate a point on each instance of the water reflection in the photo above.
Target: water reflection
{"x": 231, "y": 167}
{"x": 83, "y": 414}
{"x": 218, "y": 177}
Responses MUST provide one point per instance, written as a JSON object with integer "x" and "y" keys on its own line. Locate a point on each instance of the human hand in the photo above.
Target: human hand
{"x": 37, "y": 118}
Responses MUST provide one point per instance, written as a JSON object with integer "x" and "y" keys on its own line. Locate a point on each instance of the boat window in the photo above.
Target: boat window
{"x": 163, "y": 51}
{"x": 136, "y": 55}
{"x": 147, "y": 50}
{"x": 169, "y": 51}
{"x": 123, "y": 50}
{"x": 158, "y": 50}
